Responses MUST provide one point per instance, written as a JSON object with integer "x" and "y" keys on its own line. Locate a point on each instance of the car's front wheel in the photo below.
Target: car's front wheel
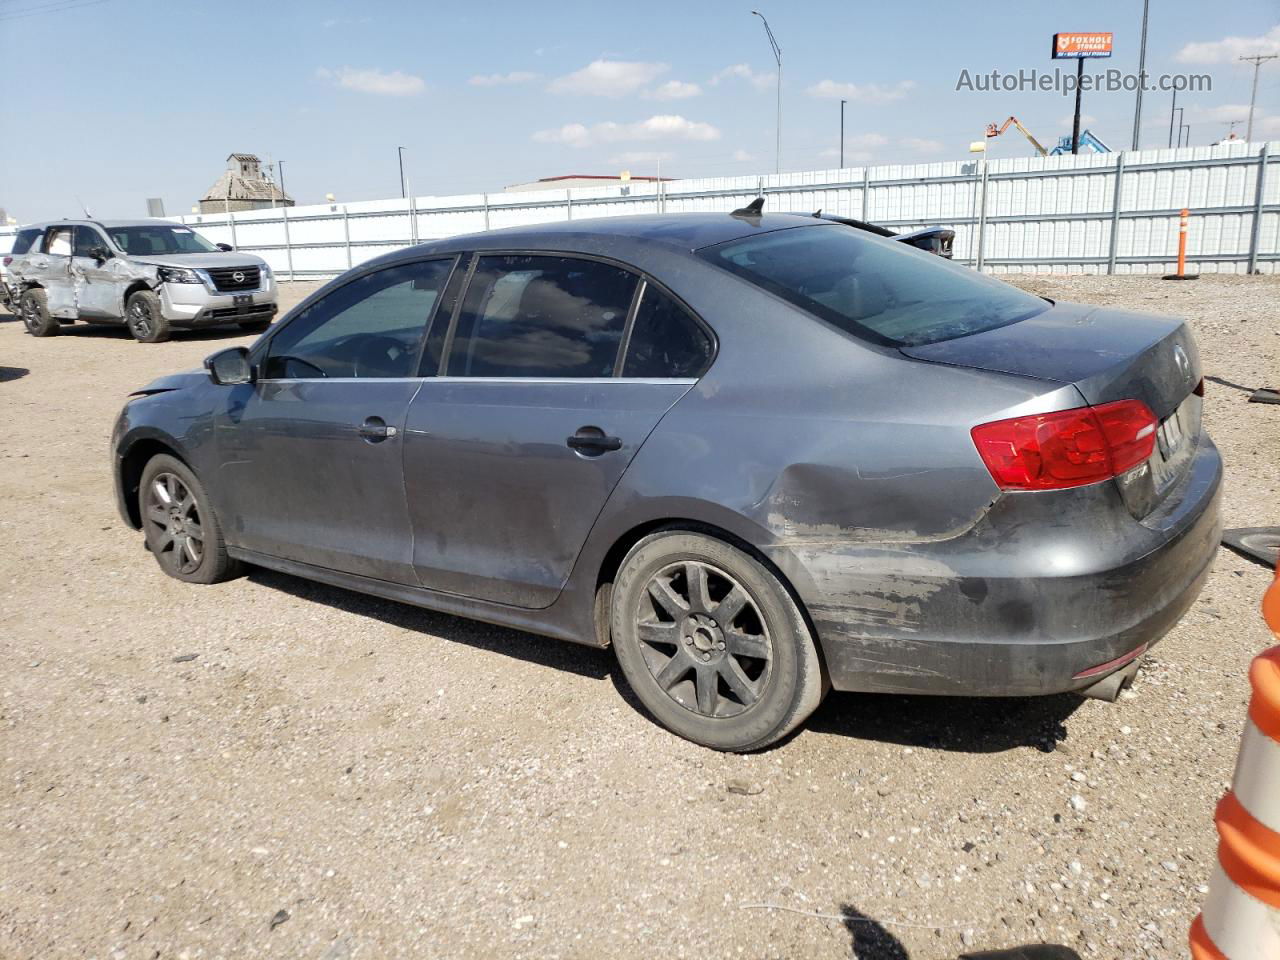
{"x": 182, "y": 531}
{"x": 712, "y": 643}
{"x": 143, "y": 317}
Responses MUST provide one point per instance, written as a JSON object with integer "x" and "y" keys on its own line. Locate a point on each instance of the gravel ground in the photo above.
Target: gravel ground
{"x": 271, "y": 767}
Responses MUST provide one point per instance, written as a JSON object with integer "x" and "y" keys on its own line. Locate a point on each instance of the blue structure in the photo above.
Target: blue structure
{"x": 1087, "y": 139}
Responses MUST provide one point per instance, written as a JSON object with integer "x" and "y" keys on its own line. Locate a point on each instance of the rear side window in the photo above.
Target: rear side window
{"x": 541, "y": 316}
{"x": 665, "y": 342}
{"x": 880, "y": 290}
{"x": 23, "y": 240}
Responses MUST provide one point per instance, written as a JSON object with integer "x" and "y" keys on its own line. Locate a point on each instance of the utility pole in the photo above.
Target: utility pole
{"x": 1178, "y": 143}
{"x": 777, "y": 56}
{"x": 842, "y": 103}
{"x": 1257, "y": 61}
{"x": 1142, "y": 76}
{"x": 280, "y": 167}
{"x": 1075, "y": 122}
{"x": 400, "y": 152}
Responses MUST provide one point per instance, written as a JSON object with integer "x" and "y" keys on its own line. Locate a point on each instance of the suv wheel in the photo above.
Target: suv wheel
{"x": 143, "y": 317}
{"x": 182, "y": 531}
{"x": 712, "y": 643}
{"x": 35, "y": 314}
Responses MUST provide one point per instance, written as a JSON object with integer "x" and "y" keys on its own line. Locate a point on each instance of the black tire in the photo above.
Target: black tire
{"x": 35, "y": 314}
{"x": 254, "y": 326}
{"x": 730, "y": 675}
{"x": 172, "y": 503}
{"x": 143, "y": 318}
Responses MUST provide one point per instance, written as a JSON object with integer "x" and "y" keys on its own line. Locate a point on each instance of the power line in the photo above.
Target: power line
{"x": 58, "y": 6}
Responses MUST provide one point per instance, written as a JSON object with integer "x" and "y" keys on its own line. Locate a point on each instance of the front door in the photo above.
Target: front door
{"x": 312, "y": 452}
{"x": 511, "y": 455}
{"x": 98, "y": 289}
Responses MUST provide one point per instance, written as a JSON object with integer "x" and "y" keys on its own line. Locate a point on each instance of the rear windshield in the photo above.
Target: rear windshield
{"x": 23, "y": 240}
{"x": 153, "y": 241}
{"x": 876, "y": 289}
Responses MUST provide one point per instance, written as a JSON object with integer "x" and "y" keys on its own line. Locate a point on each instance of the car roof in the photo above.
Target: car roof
{"x": 106, "y": 224}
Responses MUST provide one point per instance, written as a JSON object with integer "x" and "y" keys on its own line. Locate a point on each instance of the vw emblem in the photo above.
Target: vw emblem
{"x": 238, "y": 277}
{"x": 1180, "y": 358}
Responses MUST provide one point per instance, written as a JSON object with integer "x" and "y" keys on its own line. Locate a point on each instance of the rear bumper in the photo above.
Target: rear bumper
{"x": 1046, "y": 594}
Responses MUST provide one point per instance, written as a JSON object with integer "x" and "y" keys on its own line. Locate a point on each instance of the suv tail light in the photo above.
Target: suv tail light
{"x": 1070, "y": 448}
{"x": 8, "y": 260}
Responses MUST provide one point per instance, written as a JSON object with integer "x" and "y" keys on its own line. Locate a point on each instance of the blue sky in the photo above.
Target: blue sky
{"x": 112, "y": 101}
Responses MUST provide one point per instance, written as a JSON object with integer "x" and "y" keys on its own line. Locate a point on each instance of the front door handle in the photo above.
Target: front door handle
{"x": 592, "y": 441}
{"x": 375, "y": 430}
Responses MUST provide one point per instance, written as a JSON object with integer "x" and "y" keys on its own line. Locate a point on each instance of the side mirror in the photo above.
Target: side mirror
{"x": 100, "y": 253}
{"x": 224, "y": 247}
{"x": 230, "y": 366}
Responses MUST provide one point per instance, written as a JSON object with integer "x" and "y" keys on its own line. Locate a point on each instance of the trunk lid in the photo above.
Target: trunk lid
{"x": 1106, "y": 355}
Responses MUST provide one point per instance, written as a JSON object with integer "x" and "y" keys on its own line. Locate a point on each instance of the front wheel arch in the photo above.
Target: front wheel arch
{"x": 134, "y": 462}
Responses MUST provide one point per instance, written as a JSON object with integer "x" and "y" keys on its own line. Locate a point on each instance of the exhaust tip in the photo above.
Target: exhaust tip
{"x": 1109, "y": 687}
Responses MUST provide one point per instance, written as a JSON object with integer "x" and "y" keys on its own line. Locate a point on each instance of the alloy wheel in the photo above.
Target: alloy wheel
{"x": 173, "y": 516}
{"x": 703, "y": 639}
{"x": 30, "y": 314}
{"x": 139, "y": 320}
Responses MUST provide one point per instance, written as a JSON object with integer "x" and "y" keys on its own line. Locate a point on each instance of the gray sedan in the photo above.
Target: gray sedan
{"x": 760, "y": 455}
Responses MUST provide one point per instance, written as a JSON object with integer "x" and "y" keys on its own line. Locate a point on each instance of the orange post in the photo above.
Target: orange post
{"x": 1241, "y": 917}
{"x": 1182, "y": 242}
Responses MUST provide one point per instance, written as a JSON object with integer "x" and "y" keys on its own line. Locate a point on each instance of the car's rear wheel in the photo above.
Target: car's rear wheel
{"x": 712, "y": 643}
{"x": 182, "y": 531}
{"x": 143, "y": 317}
{"x": 35, "y": 314}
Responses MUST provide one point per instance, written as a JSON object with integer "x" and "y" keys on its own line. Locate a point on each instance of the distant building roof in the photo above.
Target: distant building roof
{"x": 243, "y": 181}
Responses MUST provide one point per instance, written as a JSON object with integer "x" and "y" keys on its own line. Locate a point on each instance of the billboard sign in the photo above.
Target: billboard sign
{"x": 1072, "y": 46}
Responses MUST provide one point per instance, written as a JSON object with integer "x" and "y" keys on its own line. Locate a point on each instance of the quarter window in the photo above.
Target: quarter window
{"x": 665, "y": 341}
{"x": 370, "y": 327}
{"x": 541, "y": 316}
{"x": 25, "y": 240}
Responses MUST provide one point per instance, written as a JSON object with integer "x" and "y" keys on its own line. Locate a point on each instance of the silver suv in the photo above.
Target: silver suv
{"x": 150, "y": 275}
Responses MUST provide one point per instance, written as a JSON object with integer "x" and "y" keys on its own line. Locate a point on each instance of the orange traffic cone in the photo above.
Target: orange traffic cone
{"x": 1241, "y": 916}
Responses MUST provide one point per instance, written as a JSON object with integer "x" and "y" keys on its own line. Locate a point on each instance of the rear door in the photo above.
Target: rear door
{"x": 311, "y": 453}
{"x": 98, "y": 290}
{"x": 51, "y": 268}
{"x": 512, "y": 452}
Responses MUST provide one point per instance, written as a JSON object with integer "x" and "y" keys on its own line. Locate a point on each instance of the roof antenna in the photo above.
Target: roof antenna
{"x": 817, "y": 214}
{"x": 87, "y": 214}
{"x": 752, "y": 210}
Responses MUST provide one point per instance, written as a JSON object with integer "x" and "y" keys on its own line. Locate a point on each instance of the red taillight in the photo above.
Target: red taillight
{"x": 8, "y": 260}
{"x": 1070, "y": 448}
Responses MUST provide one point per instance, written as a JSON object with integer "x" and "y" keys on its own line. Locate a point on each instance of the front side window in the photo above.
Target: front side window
{"x": 59, "y": 242}
{"x": 541, "y": 316}
{"x": 370, "y": 327}
{"x": 665, "y": 341}
{"x": 876, "y": 289}
{"x": 159, "y": 240}
{"x": 87, "y": 239}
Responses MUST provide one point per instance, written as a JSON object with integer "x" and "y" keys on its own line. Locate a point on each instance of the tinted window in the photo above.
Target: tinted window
{"x": 665, "y": 341}
{"x": 59, "y": 242}
{"x": 541, "y": 317}
{"x": 370, "y": 327}
{"x": 150, "y": 241}
{"x": 23, "y": 240}
{"x": 880, "y": 290}
{"x": 86, "y": 239}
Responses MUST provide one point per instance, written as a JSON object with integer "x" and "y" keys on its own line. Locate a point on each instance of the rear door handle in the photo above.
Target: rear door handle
{"x": 375, "y": 430}
{"x": 592, "y": 441}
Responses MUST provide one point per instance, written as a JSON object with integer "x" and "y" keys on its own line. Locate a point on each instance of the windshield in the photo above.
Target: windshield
{"x": 880, "y": 290}
{"x": 150, "y": 241}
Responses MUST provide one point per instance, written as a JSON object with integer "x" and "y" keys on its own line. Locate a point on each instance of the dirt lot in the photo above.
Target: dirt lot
{"x": 334, "y": 776}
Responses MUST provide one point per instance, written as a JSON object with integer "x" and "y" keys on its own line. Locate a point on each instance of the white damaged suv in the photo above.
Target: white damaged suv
{"x": 151, "y": 275}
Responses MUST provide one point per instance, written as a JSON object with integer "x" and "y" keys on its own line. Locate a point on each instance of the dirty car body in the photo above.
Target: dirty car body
{"x": 834, "y": 434}
{"x": 88, "y": 270}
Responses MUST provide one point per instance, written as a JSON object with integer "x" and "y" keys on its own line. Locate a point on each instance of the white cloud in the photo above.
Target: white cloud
{"x": 394, "y": 84}
{"x": 922, "y": 145}
{"x": 608, "y": 78}
{"x": 867, "y": 93}
{"x": 660, "y": 127}
{"x": 640, "y": 158}
{"x": 674, "y": 90}
{"x": 741, "y": 156}
{"x": 502, "y": 79}
{"x": 1223, "y": 113}
{"x": 741, "y": 71}
{"x": 1229, "y": 49}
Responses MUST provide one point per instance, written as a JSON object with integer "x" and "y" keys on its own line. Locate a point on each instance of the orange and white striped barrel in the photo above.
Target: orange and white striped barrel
{"x": 1241, "y": 916}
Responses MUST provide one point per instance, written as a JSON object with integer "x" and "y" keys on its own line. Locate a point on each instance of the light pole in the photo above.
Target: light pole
{"x": 842, "y": 103}
{"x": 400, "y": 151}
{"x": 280, "y": 168}
{"x": 1257, "y": 62}
{"x": 1142, "y": 76}
{"x": 1173, "y": 108}
{"x": 777, "y": 56}
{"x": 1179, "y": 140}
